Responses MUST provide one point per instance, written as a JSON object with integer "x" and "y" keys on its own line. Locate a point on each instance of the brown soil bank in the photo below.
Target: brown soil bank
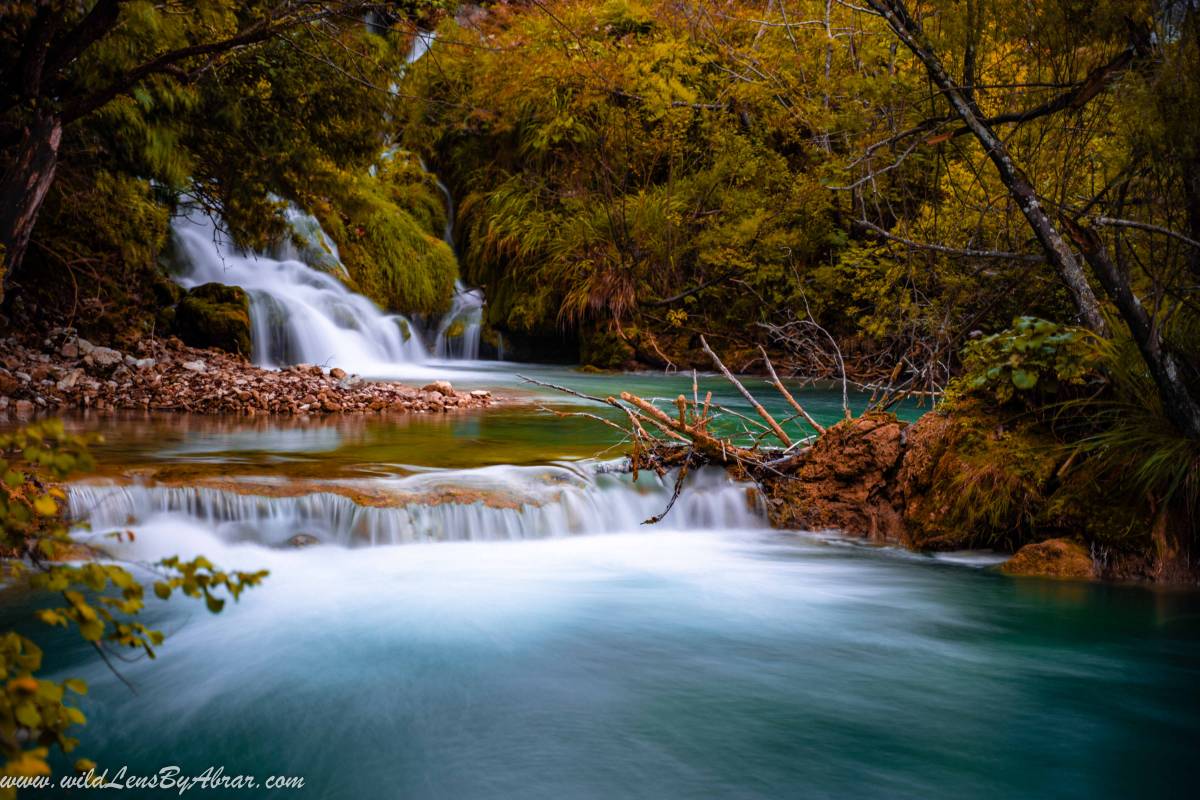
{"x": 968, "y": 480}
{"x": 64, "y": 372}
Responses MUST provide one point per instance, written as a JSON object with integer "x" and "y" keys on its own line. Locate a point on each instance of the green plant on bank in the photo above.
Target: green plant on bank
{"x": 1055, "y": 431}
{"x": 1034, "y": 357}
{"x": 101, "y": 601}
{"x": 1131, "y": 442}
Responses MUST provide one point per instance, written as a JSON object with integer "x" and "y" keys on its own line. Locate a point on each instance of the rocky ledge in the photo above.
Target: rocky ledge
{"x": 64, "y": 372}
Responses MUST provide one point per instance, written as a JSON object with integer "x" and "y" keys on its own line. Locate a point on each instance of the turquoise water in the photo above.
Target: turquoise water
{"x": 712, "y": 664}
{"x": 715, "y": 658}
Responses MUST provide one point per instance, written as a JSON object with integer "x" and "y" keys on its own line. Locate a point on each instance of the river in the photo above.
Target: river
{"x": 529, "y": 638}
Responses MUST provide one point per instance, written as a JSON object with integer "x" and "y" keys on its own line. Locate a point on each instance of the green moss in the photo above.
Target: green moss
{"x": 215, "y": 315}
{"x": 607, "y": 349}
{"x": 978, "y": 479}
{"x": 387, "y": 228}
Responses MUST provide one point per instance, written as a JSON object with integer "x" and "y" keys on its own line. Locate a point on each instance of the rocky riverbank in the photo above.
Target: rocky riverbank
{"x": 965, "y": 480}
{"x": 64, "y": 372}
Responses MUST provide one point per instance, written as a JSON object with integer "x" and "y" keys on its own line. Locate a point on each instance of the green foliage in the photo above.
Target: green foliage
{"x": 621, "y": 18}
{"x": 620, "y": 163}
{"x": 600, "y": 178}
{"x": 272, "y": 120}
{"x": 101, "y": 601}
{"x": 388, "y": 227}
{"x": 1129, "y": 440}
{"x": 1054, "y": 431}
{"x": 1034, "y": 359}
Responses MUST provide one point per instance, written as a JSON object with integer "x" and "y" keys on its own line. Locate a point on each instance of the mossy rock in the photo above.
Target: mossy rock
{"x": 387, "y": 229}
{"x": 1053, "y": 558}
{"x": 972, "y": 478}
{"x": 215, "y": 315}
{"x": 399, "y": 267}
{"x": 455, "y": 330}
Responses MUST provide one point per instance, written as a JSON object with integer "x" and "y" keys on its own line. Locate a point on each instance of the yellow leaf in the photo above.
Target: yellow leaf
{"x": 45, "y": 506}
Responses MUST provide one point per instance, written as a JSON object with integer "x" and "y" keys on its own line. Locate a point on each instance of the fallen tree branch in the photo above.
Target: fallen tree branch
{"x": 762, "y": 412}
{"x": 788, "y": 395}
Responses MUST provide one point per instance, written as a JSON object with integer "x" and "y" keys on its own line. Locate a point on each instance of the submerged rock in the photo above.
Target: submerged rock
{"x": 215, "y": 315}
{"x": 1053, "y": 558}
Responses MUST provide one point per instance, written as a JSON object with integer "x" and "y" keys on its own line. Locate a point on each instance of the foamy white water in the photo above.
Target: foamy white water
{"x": 458, "y": 331}
{"x": 302, "y": 313}
{"x": 298, "y": 314}
{"x": 492, "y": 503}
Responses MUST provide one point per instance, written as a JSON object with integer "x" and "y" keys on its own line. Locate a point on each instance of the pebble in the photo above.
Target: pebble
{"x": 167, "y": 375}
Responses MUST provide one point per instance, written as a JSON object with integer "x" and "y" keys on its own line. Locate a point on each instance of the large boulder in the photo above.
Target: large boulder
{"x": 215, "y": 315}
{"x": 1053, "y": 558}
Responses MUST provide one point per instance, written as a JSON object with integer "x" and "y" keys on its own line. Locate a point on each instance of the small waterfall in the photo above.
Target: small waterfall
{"x": 309, "y": 244}
{"x": 492, "y": 503}
{"x": 422, "y": 41}
{"x": 458, "y": 331}
{"x": 298, "y": 314}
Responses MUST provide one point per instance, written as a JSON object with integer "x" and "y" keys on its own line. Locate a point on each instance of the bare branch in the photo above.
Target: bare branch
{"x": 762, "y": 412}
{"x": 1144, "y": 226}
{"x": 788, "y": 395}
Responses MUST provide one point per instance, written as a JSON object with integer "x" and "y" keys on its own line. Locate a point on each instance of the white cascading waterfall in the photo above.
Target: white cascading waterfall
{"x": 422, "y": 41}
{"x": 491, "y": 503}
{"x": 300, "y": 310}
{"x": 298, "y": 314}
{"x": 459, "y": 329}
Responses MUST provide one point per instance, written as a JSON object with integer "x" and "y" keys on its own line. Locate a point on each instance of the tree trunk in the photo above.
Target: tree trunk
{"x": 1170, "y": 376}
{"x": 1018, "y": 184}
{"x": 23, "y": 190}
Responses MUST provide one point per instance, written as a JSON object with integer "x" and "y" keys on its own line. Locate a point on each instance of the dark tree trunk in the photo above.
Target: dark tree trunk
{"x": 23, "y": 190}
{"x": 1169, "y": 374}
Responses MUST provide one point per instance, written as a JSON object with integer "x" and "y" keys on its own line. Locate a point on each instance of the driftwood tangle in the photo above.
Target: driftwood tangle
{"x": 683, "y": 440}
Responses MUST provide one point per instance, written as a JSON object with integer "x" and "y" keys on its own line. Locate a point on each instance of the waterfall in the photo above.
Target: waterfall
{"x": 300, "y": 310}
{"x": 502, "y": 502}
{"x": 298, "y": 314}
{"x": 422, "y": 41}
{"x": 459, "y": 329}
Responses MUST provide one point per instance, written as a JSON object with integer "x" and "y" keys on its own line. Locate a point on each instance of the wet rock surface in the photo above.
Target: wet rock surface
{"x": 64, "y": 372}
{"x": 846, "y": 482}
